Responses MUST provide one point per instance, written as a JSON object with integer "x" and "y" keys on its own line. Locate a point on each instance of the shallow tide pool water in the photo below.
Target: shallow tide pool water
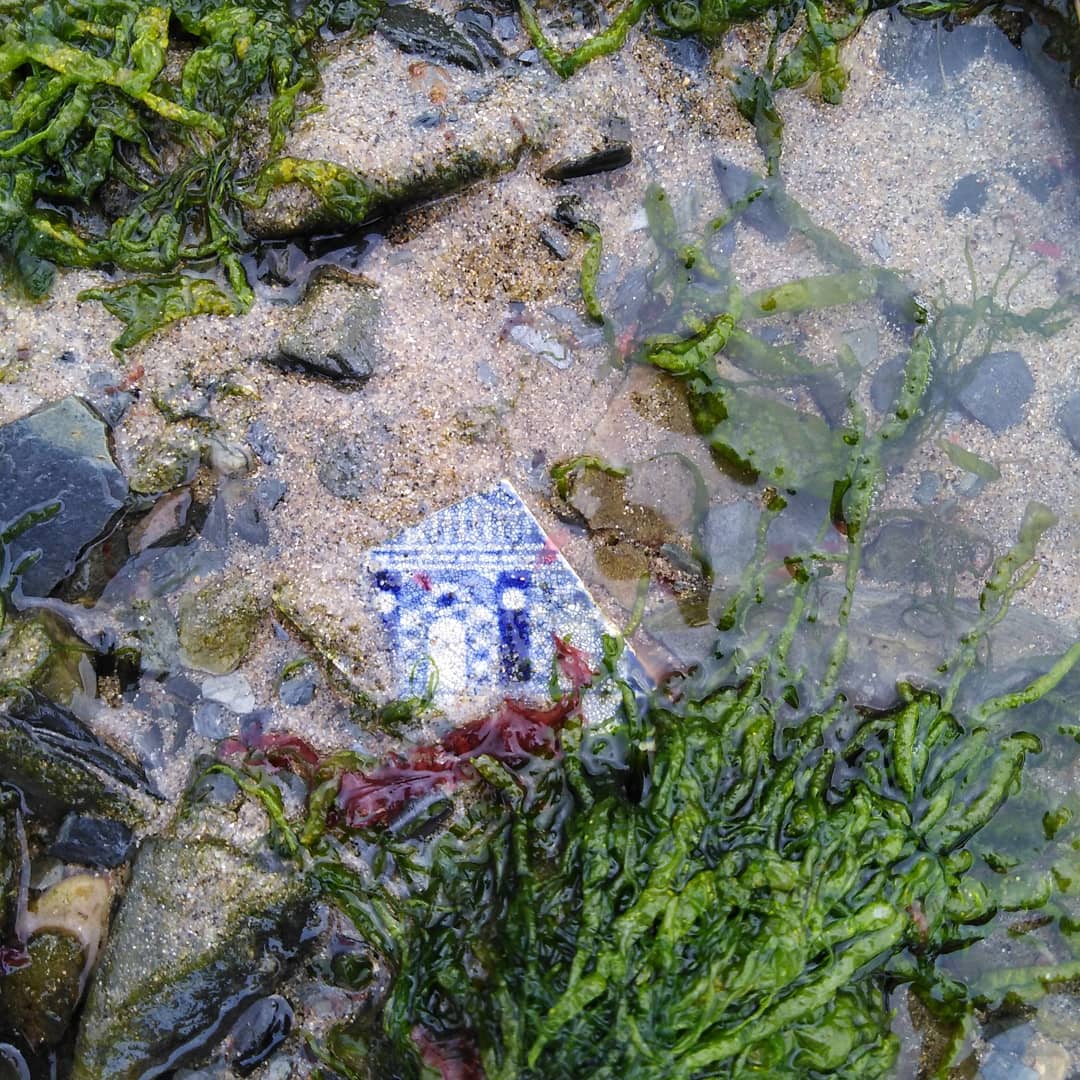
{"x": 953, "y": 160}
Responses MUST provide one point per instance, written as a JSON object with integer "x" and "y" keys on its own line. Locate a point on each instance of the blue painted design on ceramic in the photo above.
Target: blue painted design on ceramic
{"x": 478, "y": 591}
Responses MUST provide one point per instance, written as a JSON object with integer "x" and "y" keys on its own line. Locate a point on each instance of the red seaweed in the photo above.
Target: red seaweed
{"x": 455, "y": 1057}
{"x": 277, "y": 749}
{"x": 511, "y": 734}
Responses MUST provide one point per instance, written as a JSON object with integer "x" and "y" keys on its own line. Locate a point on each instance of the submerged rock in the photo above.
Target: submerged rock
{"x": 204, "y": 928}
{"x": 996, "y": 389}
{"x": 58, "y": 458}
{"x": 736, "y": 184}
{"x": 261, "y": 1029}
{"x": 217, "y": 623}
{"x": 967, "y": 194}
{"x": 1069, "y": 418}
{"x": 334, "y": 332}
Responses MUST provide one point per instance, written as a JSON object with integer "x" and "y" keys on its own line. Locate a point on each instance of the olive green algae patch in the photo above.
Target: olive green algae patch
{"x": 217, "y": 622}
{"x": 199, "y": 934}
{"x": 38, "y": 1001}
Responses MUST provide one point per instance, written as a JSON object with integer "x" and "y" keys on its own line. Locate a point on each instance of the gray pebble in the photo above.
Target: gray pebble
{"x": 1069, "y": 418}
{"x": 996, "y": 389}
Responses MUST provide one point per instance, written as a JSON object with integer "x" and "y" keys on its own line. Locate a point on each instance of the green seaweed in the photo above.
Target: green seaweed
{"x": 97, "y": 95}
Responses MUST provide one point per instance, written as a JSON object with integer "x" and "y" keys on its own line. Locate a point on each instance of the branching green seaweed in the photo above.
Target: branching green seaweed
{"x": 733, "y": 879}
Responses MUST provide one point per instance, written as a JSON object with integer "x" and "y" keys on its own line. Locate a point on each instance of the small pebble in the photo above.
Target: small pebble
{"x": 213, "y": 720}
{"x": 261, "y": 440}
{"x": 233, "y": 691}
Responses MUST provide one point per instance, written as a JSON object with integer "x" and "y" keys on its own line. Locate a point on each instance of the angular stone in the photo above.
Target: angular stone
{"x": 93, "y": 842}
{"x": 997, "y": 387}
{"x": 334, "y": 332}
{"x": 203, "y": 930}
{"x": 58, "y": 456}
{"x": 425, "y": 34}
{"x": 1069, "y": 418}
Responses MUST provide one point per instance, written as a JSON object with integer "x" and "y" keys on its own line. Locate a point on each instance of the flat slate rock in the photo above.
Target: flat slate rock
{"x": 425, "y": 34}
{"x": 334, "y": 332}
{"x": 997, "y": 390}
{"x": 59, "y": 454}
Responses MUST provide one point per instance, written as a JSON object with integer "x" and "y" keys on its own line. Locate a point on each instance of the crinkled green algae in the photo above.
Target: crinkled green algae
{"x": 88, "y": 103}
{"x": 735, "y": 879}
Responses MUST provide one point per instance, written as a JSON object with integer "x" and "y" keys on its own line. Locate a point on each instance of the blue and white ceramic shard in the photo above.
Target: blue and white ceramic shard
{"x": 474, "y": 595}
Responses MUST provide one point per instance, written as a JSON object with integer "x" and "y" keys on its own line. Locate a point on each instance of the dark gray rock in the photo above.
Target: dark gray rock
{"x": 58, "y": 456}
{"x": 996, "y": 388}
{"x": 59, "y": 764}
{"x": 615, "y": 155}
{"x": 350, "y": 467}
{"x": 1069, "y": 418}
{"x": 425, "y": 34}
{"x": 968, "y": 193}
{"x": 334, "y": 332}
{"x": 93, "y": 842}
{"x": 261, "y": 1029}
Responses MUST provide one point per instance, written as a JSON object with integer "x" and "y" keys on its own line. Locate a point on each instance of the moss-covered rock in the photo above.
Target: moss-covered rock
{"x": 166, "y": 463}
{"x": 217, "y": 622}
{"x": 204, "y": 929}
{"x": 41, "y": 650}
{"x": 60, "y": 765}
{"x": 37, "y": 1001}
